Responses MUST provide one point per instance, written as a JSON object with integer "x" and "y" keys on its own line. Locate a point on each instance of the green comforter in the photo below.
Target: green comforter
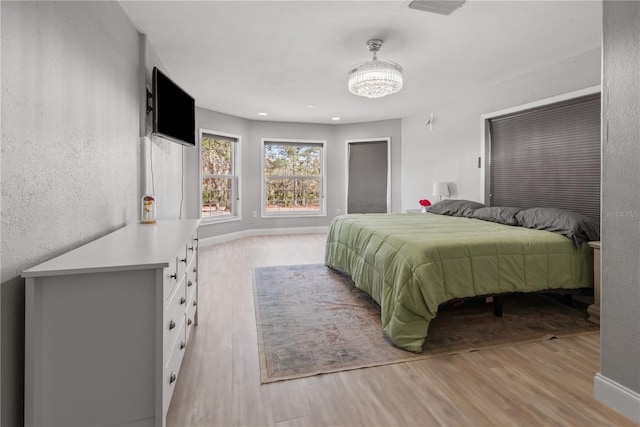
{"x": 411, "y": 263}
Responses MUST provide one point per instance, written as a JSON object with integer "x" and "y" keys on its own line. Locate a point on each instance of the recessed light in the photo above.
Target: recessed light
{"x": 263, "y": 114}
{"x": 335, "y": 118}
{"x": 311, "y": 106}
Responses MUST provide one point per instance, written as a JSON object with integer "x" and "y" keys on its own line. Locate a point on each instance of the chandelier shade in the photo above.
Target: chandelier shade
{"x": 375, "y": 78}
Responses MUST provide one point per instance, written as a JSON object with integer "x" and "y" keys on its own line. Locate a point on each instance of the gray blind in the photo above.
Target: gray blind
{"x": 548, "y": 157}
{"x": 367, "y": 191}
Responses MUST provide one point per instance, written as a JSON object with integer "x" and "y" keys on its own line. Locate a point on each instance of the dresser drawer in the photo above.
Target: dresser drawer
{"x": 192, "y": 248}
{"x": 173, "y": 317}
{"x": 191, "y": 292}
{"x": 172, "y": 368}
{"x": 194, "y": 240}
{"x": 170, "y": 280}
{"x": 181, "y": 262}
{"x": 192, "y": 279}
{"x": 191, "y": 317}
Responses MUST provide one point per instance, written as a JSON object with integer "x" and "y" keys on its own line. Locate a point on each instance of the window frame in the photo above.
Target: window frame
{"x": 323, "y": 178}
{"x": 236, "y": 209}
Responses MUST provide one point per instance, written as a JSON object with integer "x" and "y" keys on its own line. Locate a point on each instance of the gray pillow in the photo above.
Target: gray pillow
{"x": 575, "y": 226}
{"x": 455, "y": 207}
{"x": 499, "y": 214}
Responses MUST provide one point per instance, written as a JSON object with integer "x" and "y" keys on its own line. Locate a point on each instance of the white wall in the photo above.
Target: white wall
{"x": 450, "y": 152}
{"x": 618, "y": 382}
{"x": 70, "y": 150}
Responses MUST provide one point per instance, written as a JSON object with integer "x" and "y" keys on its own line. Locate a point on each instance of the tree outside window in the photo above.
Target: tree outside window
{"x": 293, "y": 177}
{"x": 219, "y": 176}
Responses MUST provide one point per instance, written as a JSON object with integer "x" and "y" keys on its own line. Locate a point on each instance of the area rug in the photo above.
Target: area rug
{"x": 313, "y": 320}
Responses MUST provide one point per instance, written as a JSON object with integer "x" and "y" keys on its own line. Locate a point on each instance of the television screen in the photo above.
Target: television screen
{"x": 174, "y": 111}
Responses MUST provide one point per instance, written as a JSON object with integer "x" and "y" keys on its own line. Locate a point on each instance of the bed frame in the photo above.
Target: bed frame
{"x": 567, "y": 297}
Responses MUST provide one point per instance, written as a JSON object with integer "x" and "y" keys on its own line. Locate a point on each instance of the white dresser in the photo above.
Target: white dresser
{"x": 107, "y": 325}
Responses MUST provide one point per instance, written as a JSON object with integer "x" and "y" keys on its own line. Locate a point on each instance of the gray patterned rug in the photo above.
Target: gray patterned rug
{"x": 312, "y": 320}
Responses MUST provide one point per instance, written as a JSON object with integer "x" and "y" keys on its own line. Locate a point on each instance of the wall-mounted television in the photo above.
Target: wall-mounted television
{"x": 174, "y": 111}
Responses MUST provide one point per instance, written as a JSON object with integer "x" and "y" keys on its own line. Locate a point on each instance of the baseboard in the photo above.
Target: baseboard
{"x": 260, "y": 232}
{"x": 619, "y": 397}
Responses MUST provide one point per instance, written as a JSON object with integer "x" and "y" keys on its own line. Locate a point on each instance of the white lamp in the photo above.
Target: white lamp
{"x": 440, "y": 189}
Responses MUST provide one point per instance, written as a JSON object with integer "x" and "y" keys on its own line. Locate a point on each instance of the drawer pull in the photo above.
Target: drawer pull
{"x": 184, "y": 260}
{"x": 172, "y": 325}
{"x": 189, "y": 321}
{"x": 182, "y": 345}
{"x": 195, "y": 269}
{"x": 196, "y": 239}
{"x": 182, "y": 300}
{"x": 172, "y": 378}
{"x": 195, "y": 303}
{"x": 191, "y": 248}
{"x": 189, "y": 283}
{"x": 174, "y": 276}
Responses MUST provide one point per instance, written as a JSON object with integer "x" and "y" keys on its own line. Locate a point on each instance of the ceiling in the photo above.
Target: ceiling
{"x": 281, "y": 57}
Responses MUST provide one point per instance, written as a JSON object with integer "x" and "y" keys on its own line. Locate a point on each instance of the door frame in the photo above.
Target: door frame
{"x": 386, "y": 139}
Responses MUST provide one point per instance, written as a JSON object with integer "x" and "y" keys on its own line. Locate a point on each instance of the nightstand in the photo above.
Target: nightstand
{"x": 594, "y": 309}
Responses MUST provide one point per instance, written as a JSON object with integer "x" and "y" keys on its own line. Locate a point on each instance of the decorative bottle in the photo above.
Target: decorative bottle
{"x": 148, "y": 214}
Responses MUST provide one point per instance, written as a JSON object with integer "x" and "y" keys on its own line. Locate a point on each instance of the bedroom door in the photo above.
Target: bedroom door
{"x": 368, "y": 175}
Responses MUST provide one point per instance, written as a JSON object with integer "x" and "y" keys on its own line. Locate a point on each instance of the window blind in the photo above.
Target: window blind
{"x": 367, "y": 191}
{"x": 548, "y": 157}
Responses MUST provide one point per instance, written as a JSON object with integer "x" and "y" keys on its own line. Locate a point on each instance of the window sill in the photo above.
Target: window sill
{"x": 211, "y": 221}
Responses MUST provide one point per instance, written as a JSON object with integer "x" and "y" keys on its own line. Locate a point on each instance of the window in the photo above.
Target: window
{"x": 293, "y": 177}
{"x": 219, "y": 169}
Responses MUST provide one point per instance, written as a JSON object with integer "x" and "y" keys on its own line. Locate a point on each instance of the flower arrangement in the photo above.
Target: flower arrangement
{"x": 424, "y": 203}
{"x": 148, "y": 210}
{"x": 148, "y": 201}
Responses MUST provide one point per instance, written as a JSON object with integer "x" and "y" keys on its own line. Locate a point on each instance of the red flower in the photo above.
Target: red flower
{"x": 424, "y": 202}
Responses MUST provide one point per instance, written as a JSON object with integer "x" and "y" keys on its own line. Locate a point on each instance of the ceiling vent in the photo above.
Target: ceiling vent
{"x": 443, "y": 7}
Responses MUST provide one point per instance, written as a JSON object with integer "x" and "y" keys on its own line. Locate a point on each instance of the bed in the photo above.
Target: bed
{"x": 412, "y": 263}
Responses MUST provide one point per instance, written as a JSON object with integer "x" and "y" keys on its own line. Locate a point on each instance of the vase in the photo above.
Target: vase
{"x": 423, "y": 209}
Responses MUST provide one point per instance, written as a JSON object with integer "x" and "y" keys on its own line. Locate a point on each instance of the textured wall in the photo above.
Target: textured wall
{"x": 165, "y": 176}
{"x": 620, "y": 309}
{"x": 450, "y": 152}
{"x": 163, "y": 168}
{"x": 70, "y": 150}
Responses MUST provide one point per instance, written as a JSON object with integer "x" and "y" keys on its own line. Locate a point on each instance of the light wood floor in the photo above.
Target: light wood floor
{"x": 539, "y": 384}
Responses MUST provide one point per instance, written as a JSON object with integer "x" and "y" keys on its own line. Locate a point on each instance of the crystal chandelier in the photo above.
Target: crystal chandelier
{"x": 375, "y": 78}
